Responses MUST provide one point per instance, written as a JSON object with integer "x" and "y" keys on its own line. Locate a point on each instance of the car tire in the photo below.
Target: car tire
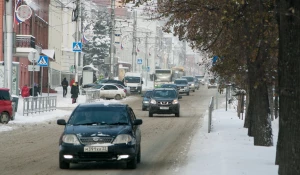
{"x": 188, "y": 93}
{"x": 150, "y": 114}
{"x": 194, "y": 90}
{"x": 131, "y": 164}
{"x": 63, "y": 164}
{"x": 118, "y": 97}
{"x": 144, "y": 108}
{"x": 4, "y": 118}
{"x": 139, "y": 155}
{"x": 177, "y": 114}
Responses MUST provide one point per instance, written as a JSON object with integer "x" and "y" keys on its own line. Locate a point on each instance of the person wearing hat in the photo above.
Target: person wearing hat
{"x": 74, "y": 92}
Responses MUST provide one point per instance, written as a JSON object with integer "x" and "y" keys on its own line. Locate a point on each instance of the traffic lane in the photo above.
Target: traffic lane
{"x": 33, "y": 149}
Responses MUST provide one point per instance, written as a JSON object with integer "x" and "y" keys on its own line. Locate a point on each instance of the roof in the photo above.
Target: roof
{"x": 102, "y": 105}
{"x": 164, "y": 89}
{"x": 4, "y": 89}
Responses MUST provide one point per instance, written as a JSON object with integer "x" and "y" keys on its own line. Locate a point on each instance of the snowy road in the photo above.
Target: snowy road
{"x": 33, "y": 148}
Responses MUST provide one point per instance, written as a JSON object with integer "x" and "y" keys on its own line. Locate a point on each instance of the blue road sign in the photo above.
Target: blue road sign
{"x": 148, "y": 69}
{"x": 77, "y": 47}
{"x": 43, "y": 61}
{"x": 139, "y": 61}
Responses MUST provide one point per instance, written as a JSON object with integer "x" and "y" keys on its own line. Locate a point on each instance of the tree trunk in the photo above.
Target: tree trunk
{"x": 288, "y": 146}
{"x": 246, "y": 124}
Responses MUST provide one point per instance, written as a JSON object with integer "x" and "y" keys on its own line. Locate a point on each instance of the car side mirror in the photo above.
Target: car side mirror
{"x": 179, "y": 97}
{"x": 142, "y": 82}
{"x": 61, "y": 122}
{"x": 137, "y": 121}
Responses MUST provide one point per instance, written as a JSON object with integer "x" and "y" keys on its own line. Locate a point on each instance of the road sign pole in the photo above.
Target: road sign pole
{"x": 41, "y": 85}
{"x": 32, "y": 89}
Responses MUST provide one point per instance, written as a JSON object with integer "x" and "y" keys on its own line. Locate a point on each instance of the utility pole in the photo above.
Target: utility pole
{"x": 146, "y": 57}
{"x": 8, "y": 44}
{"x": 112, "y": 38}
{"x": 77, "y": 36}
{"x": 133, "y": 62}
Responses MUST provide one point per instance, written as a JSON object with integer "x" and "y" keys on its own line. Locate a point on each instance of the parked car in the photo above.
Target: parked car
{"x": 118, "y": 82}
{"x": 183, "y": 86}
{"x": 164, "y": 101}
{"x": 110, "y": 91}
{"x": 97, "y": 132}
{"x": 126, "y": 89}
{"x": 6, "y": 108}
{"x": 146, "y": 100}
{"x": 191, "y": 81}
{"x": 86, "y": 86}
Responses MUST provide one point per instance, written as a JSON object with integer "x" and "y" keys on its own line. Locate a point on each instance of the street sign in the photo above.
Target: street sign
{"x": 43, "y": 61}
{"x": 148, "y": 69}
{"x": 77, "y": 47}
{"x": 139, "y": 61}
{"x": 33, "y": 56}
{"x": 33, "y": 68}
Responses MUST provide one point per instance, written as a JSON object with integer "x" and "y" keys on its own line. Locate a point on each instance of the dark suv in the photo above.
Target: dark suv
{"x": 98, "y": 132}
{"x": 6, "y": 109}
{"x": 164, "y": 101}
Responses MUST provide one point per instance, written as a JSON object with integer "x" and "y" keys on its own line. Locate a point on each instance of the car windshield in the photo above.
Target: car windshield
{"x": 132, "y": 79}
{"x": 180, "y": 82}
{"x": 99, "y": 116}
{"x": 4, "y": 95}
{"x": 168, "y": 86}
{"x": 148, "y": 94}
{"x": 164, "y": 94}
{"x": 190, "y": 79}
{"x": 98, "y": 86}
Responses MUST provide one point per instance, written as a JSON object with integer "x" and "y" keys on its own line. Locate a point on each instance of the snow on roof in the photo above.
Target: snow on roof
{"x": 91, "y": 66}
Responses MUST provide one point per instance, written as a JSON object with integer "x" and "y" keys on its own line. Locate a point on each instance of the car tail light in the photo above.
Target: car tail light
{"x": 125, "y": 90}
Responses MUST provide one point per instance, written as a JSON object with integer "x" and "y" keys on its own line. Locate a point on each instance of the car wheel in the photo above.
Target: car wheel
{"x": 194, "y": 90}
{"x": 144, "y": 108}
{"x": 188, "y": 93}
{"x": 150, "y": 114}
{"x": 132, "y": 163}
{"x": 4, "y": 118}
{"x": 139, "y": 155}
{"x": 118, "y": 97}
{"x": 177, "y": 114}
{"x": 63, "y": 164}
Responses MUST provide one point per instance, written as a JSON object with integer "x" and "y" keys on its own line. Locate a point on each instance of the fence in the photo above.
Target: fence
{"x": 39, "y": 104}
{"x": 92, "y": 95}
{"x": 210, "y": 109}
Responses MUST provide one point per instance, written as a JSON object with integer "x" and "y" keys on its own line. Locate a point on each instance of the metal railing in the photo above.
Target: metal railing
{"x": 210, "y": 109}
{"x": 39, "y": 104}
{"x": 92, "y": 95}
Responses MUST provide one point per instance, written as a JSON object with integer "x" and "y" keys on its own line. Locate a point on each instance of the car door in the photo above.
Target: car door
{"x": 104, "y": 91}
{"x": 112, "y": 91}
{"x": 135, "y": 128}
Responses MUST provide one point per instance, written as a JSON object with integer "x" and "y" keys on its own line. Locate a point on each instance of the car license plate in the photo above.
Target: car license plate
{"x": 95, "y": 149}
{"x": 164, "y": 108}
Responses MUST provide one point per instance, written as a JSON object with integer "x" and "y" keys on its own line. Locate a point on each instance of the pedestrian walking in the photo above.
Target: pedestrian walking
{"x": 64, "y": 85}
{"x": 35, "y": 89}
{"x": 74, "y": 92}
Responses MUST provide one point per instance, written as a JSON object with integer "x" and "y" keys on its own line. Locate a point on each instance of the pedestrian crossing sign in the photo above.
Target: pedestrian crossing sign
{"x": 77, "y": 47}
{"x": 139, "y": 61}
{"x": 43, "y": 61}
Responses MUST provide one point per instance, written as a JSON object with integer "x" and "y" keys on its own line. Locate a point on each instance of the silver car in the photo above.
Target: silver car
{"x": 183, "y": 86}
{"x": 191, "y": 81}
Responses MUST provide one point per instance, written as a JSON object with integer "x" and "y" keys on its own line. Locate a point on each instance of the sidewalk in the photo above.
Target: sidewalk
{"x": 227, "y": 150}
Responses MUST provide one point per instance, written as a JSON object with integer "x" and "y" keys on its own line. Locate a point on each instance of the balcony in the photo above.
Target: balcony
{"x": 24, "y": 44}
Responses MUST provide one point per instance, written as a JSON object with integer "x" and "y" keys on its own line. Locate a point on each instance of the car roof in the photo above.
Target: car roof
{"x": 102, "y": 105}
{"x": 181, "y": 79}
{"x": 164, "y": 89}
{"x": 4, "y": 89}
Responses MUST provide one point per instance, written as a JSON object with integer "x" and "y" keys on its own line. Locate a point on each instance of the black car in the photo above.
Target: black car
{"x": 98, "y": 132}
{"x": 164, "y": 101}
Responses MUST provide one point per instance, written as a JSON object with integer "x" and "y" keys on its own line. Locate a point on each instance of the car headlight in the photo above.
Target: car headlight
{"x": 122, "y": 138}
{"x": 175, "y": 102}
{"x": 145, "y": 101}
{"x": 192, "y": 84}
{"x": 71, "y": 139}
{"x": 153, "y": 101}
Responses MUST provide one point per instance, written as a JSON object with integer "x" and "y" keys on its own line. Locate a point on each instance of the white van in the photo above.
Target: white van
{"x": 134, "y": 81}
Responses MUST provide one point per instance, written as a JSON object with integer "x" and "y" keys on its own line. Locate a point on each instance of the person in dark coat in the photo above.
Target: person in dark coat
{"x": 74, "y": 92}
{"x": 64, "y": 85}
{"x": 36, "y": 90}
